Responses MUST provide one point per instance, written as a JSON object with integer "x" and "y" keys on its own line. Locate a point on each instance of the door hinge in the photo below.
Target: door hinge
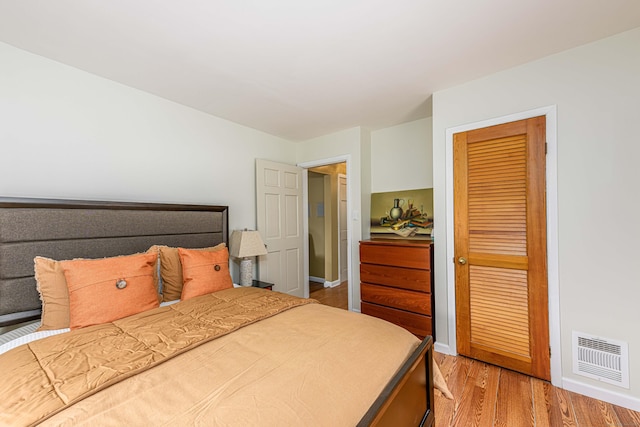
{"x": 545, "y": 147}
{"x": 549, "y": 352}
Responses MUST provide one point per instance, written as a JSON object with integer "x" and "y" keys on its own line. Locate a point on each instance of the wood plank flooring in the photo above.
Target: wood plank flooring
{"x": 335, "y": 297}
{"x": 489, "y": 396}
{"x": 486, "y": 395}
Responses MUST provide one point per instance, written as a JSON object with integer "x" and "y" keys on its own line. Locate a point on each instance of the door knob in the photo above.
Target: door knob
{"x": 462, "y": 261}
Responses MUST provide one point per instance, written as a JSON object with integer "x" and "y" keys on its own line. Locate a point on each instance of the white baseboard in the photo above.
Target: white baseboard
{"x": 326, "y": 283}
{"x": 331, "y": 284}
{"x": 609, "y": 396}
{"x": 442, "y": 348}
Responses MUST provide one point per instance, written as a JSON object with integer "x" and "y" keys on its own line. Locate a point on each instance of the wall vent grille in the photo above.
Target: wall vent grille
{"x": 602, "y": 359}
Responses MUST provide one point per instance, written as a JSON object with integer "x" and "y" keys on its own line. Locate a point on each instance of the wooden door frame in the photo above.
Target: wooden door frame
{"x": 552, "y": 231}
{"x": 305, "y": 218}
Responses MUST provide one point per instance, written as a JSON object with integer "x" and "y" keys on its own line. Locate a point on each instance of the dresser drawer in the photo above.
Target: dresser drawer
{"x": 417, "y": 324}
{"x": 416, "y": 302}
{"x": 417, "y": 256}
{"x": 403, "y": 278}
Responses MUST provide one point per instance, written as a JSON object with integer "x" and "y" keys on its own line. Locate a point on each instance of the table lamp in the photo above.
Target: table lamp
{"x": 246, "y": 244}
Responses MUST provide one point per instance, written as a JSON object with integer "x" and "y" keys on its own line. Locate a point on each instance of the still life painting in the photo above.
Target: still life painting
{"x": 406, "y": 214}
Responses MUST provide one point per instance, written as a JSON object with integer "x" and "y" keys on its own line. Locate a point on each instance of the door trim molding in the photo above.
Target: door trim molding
{"x": 305, "y": 206}
{"x": 340, "y": 266}
{"x": 550, "y": 112}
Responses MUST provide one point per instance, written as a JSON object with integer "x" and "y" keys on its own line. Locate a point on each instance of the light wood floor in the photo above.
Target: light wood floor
{"x": 335, "y": 297}
{"x": 488, "y": 396}
{"x": 485, "y": 395}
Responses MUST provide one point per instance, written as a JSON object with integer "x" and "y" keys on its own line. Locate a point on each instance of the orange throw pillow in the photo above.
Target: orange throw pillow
{"x": 204, "y": 272}
{"x": 104, "y": 290}
{"x": 171, "y": 269}
{"x": 54, "y": 294}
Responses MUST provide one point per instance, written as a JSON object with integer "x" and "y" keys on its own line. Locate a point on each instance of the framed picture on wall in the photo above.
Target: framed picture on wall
{"x": 402, "y": 214}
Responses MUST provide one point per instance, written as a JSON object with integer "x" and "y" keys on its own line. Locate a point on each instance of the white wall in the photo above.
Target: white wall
{"x": 366, "y": 176}
{"x": 596, "y": 89}
{"x": 354, "y": 146}
{"x": 402, "y": 157}
{"x": 66, "y": 133}
{"x": 375, "y": 167}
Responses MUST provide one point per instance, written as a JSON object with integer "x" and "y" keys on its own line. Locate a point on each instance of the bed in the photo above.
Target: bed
{"x": 236, "y": 356}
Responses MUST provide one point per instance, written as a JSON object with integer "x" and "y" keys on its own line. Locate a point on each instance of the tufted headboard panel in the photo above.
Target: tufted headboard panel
{"x": 66, "y": 229}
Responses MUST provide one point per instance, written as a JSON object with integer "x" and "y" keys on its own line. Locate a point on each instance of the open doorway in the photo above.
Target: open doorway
{"x": 282, "y": 204}
{"x": 328, "y": 234}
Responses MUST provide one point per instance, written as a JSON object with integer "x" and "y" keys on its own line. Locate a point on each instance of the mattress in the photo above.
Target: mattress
{"x": 286, "y": 369}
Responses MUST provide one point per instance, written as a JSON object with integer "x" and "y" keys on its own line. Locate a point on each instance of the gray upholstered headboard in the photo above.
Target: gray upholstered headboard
{"x": 66, "y": 229}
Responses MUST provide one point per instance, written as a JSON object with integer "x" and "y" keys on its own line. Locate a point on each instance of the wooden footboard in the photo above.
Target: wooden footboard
{"x": 408, "y": 398}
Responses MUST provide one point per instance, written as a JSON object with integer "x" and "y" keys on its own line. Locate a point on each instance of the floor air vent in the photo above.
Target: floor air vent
{"x": 601, "y": 358}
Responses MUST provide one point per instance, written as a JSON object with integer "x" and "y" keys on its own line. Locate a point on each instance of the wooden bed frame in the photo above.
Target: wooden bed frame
{"x": 65, "y": 229}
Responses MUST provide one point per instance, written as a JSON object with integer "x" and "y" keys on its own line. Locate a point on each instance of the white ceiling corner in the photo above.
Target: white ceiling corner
{"x": 301, "y": 69}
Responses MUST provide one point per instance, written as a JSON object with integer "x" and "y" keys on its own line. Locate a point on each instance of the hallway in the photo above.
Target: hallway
{"x": 335, "y": 297}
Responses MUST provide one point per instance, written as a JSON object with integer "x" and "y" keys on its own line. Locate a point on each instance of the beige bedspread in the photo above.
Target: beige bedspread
{"x": 309, "y": 365}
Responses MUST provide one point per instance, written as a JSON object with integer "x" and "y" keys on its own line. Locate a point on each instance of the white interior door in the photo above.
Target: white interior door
{"x": 279, "y": 192}
{"x": 343, "y": 234}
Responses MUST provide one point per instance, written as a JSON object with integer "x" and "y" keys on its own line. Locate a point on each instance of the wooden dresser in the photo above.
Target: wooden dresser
{"x": 396, "y": 283}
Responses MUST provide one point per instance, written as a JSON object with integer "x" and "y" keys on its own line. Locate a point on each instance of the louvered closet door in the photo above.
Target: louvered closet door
{"x": 500, "y": 246}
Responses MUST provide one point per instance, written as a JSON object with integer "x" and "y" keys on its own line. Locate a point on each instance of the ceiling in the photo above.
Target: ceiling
{"x": 300, "y": 69}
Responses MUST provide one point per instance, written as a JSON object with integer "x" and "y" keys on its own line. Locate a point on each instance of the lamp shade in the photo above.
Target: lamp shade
{"x": 246, "y": 243}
